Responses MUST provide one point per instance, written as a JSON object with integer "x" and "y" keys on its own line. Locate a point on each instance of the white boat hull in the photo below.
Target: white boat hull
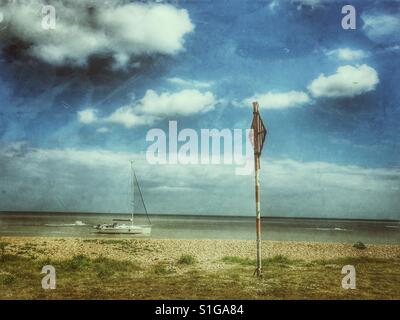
{"x": 124, "y": 229}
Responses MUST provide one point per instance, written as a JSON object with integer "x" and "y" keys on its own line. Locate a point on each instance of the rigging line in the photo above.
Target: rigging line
{"x": 141, "y": 196}
{"x": 132, "y": 194}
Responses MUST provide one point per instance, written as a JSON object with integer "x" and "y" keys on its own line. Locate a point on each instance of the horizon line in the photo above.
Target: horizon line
{"x": 198, "y": 214}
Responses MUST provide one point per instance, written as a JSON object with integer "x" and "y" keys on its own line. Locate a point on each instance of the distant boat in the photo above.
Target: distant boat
{"x": 329, "y": 229}
{"x": 77, "y": 223}
{"x": 131, "y": 228}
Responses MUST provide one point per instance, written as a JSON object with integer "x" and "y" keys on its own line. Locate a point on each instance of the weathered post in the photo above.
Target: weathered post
{"x": 259, "y": 134}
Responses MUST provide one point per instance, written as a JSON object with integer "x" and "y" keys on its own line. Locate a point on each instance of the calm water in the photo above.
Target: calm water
{"x": 207, "y": 227}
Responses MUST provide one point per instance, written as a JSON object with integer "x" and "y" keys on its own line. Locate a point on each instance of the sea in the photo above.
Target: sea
{"x": 204, "y": 227}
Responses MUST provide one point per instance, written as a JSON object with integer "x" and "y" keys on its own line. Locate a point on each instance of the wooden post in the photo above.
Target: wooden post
{"x": 257, "y": 153}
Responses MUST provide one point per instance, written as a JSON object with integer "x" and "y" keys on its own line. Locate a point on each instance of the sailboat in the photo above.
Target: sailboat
{"x": 129, "y": 228}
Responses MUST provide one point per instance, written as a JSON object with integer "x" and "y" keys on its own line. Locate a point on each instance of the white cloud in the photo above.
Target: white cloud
{"x": 115, "y": 29}
{"x": 185, "y": 102}
{"x": 348, "y": 81}
{"x": 91, "y": 180}
{"x": 393, "y": 48}
{"x": 124, "y": 116}
{"x": 87, "y": 116}
{"x": 127, "y": 117}
{"x": 347, "y": 54}
{"x": 381, "y": 27}
{"x": 189, "y": 83}
{"x": 279, "y": 100}
{"x": 273, "y": 5}
{"x": 308, "y": 3}
{"x": 103, "y": 130}
{"x": 153, "y": 107}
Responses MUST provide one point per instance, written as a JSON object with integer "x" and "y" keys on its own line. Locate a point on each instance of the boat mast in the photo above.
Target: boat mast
{"x": 141, "y": 197}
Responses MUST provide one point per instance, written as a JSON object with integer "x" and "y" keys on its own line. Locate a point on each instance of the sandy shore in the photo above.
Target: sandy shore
{"x": 207, "y": 252}
{"x": 183, "y": 269}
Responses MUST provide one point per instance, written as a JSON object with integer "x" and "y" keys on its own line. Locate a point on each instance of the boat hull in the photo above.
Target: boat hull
{"x": 134, "y": 230}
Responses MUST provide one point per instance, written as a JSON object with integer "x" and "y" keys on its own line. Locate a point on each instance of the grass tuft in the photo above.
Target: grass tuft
{"x": 7, "y": 279}
{"x": 77, "y": 263}
{"x": 163, "y": 269}
{"x": 3, "y": 246}
{"x": 115, "y": 265}
{"x": 12, "y": 258}
{"x": 187, "y": 259}
{"x": 104, "y": 273}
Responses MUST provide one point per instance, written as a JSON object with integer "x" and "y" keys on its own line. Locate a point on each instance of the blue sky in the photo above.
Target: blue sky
{"x": 78, "y": 100}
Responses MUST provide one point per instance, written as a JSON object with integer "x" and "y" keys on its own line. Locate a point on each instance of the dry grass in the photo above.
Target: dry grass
{"x": 81, "y": 277}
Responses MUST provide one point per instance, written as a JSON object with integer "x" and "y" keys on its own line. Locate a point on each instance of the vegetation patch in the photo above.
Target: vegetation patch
{"x": 163, "y": 268}
{"x": 280, "y": 260}
{"x": 3, "y": 246}
{"x": 115, "y": 265}
{"x": 187, "y": 259}
{"x": 79, "y": 262}
{"x": 237, "y": 260}
{"x": 8, "y": 257}
{"x": 88, "y": 277}
{"x": 104, "y": 273}
{"x": 275, "y": 260}
{"x": 350, "y": 260}
{"x": 7, "y": 279}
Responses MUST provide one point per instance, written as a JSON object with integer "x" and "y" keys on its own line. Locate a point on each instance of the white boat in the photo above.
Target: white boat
{"x": 130, "y": 228}
{"x": 117, "y": 228}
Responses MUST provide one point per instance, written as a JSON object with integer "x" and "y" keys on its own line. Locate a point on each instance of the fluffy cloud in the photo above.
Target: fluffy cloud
{"x": 153, "y": 107}
{"x": 348, "y": 81}
{"x": 127, "y": 117}
{"x": 103, "y": 130}
{"x": 381, "y": 27}
{"x": 279, "y": 100}
{"x": 79, "y": 180}
{"x": 87, "y": 116}
{"x": 308, "y": 3}
{"x": 347, "y": 54}
{"x": 85, "y": 28}
{"x": 185, "y": 102}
